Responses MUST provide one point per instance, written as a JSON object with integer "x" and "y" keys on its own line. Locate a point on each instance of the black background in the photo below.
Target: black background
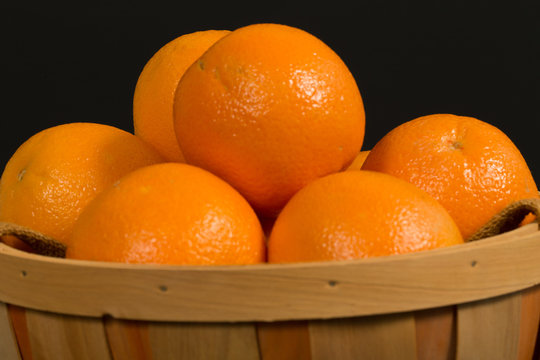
{"x": 474, "y": 58}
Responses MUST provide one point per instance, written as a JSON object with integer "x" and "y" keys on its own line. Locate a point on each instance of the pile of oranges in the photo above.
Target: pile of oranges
{"x": 247, "y": 148}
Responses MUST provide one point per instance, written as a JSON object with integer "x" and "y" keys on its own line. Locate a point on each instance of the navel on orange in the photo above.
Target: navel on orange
{"x": 269, "y": 108}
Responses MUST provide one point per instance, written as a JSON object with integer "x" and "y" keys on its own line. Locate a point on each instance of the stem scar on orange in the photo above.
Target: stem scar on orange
{"x": 471, "y": 167}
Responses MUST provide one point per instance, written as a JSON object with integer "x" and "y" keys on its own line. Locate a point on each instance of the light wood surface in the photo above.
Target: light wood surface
{"x": 269, "y": 292}
{"x": 9, "y": 349}
{"x": 475, "y": 301}
{"x": 209, "y": 341}
{"x": 436, "y": 333}
{"x": 128, "y": 339}
{"x": 489, "y": 329}
{"x": 369, "y": 338}
{"x": 61, "y": 337}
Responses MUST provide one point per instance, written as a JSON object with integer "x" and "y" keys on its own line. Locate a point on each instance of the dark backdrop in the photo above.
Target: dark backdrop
{"x": 470, "y": 58}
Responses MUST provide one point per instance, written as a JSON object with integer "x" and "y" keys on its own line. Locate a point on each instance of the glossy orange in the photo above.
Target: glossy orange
{"x": 154, "y": 91}
{"x": 359, "y": 214}
{"x": 55, "y": 173}
{"x": 269, "y": 108}
{"x": 470, "y": 166}
{"x": 169, "y": 213}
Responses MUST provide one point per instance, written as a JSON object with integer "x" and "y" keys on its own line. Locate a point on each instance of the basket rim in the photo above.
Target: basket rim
{"x": 457, "y": 274}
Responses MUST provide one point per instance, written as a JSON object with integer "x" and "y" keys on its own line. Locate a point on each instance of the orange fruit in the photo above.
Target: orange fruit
{"x": 154, "y": 91}
{"x": 169, "y": 213}
{"x": 269, "y": 108}
{"x": 56, "y": 172}
{"x": 359, "y": 160}
{"x": 471, "y": 167}
{"x": 359, "y": 214}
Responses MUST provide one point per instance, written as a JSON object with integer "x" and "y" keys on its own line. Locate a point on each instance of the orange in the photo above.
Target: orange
{"x": 470, "y": 166}
{"x": 154, "y": 91}
{"x": 56, "y": 172}
{"x": 359, "y": 160}
{"x": 269, "y": 108}
{"x": 169, "y": 213}
{"x": 359, "y": 214}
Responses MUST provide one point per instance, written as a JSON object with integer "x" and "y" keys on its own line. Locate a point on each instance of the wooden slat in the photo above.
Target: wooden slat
{"x": 529, "y": 323}
{"x": 271, "y": 292}
{"x": 60, "y": 337}
{"x": 203, "y": 341}
{"x": 435, "y": 333}
{"x": 382, "y": 337}
{"x": 489, "y": 329}
{"x": 9, "y": 349}
{"x": 285, "y": 340}
{"x": 128, "y": 339}
{"x": 20, "y": 327}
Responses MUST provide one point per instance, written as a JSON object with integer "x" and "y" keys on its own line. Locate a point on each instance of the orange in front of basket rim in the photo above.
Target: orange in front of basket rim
{"x": 169, "y": 213}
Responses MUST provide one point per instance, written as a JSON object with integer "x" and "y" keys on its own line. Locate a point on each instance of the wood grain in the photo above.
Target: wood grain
{"x": 128, "y": 339}
{"x": 9, "y": 349}
{"x": 61, "y": 337}
{"x": 529, "y": 323}
{"x": 489, "y": 329}
{"x": 284, "y": 340}
{"x": 273, "y": 292}
{"x": 17, "y": 315}
{"x": 367, "y": 338}
{"x": 436, "y": 333}
{"x": 209, "y": 341}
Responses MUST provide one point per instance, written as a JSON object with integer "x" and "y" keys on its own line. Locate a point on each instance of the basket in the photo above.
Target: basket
{"x": 479, "y": 300}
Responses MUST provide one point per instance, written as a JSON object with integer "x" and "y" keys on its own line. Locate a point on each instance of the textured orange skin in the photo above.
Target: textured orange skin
{"x": 269, "y": 108}
{"x": 154, "y": 92}
{"x": 359, "y": 214}
{"x": 55, "y": 173}
{"x": 359, "y": 160}
{"x": 169, "y": 213}
{"x": 470, "y": 166}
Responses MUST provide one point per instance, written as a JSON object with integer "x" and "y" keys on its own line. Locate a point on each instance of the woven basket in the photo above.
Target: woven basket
{"x": 476, "y": 301}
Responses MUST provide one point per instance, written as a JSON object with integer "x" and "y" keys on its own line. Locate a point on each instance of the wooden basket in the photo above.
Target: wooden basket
{"x": 476, "y": 301}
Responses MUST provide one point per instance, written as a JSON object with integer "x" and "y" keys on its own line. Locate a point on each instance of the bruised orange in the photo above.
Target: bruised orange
{"x": 359, "y": 214}
{"x": 55, "y": 173}
{"x": 169, "y": 213}
{"x": 471, "y": 167}
{"x": 154, "y": 91}
{"x": 269, "y": 108}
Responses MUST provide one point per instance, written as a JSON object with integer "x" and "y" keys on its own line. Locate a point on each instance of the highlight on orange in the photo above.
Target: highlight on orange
{"x": 269, "y": 108}
{"x": 170, "y": 213}
{"x": 471, "y": 167}
{"x": 55, "y": 173}
{"x": 359, "y": 214}
{"x": 154, "y": 91}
